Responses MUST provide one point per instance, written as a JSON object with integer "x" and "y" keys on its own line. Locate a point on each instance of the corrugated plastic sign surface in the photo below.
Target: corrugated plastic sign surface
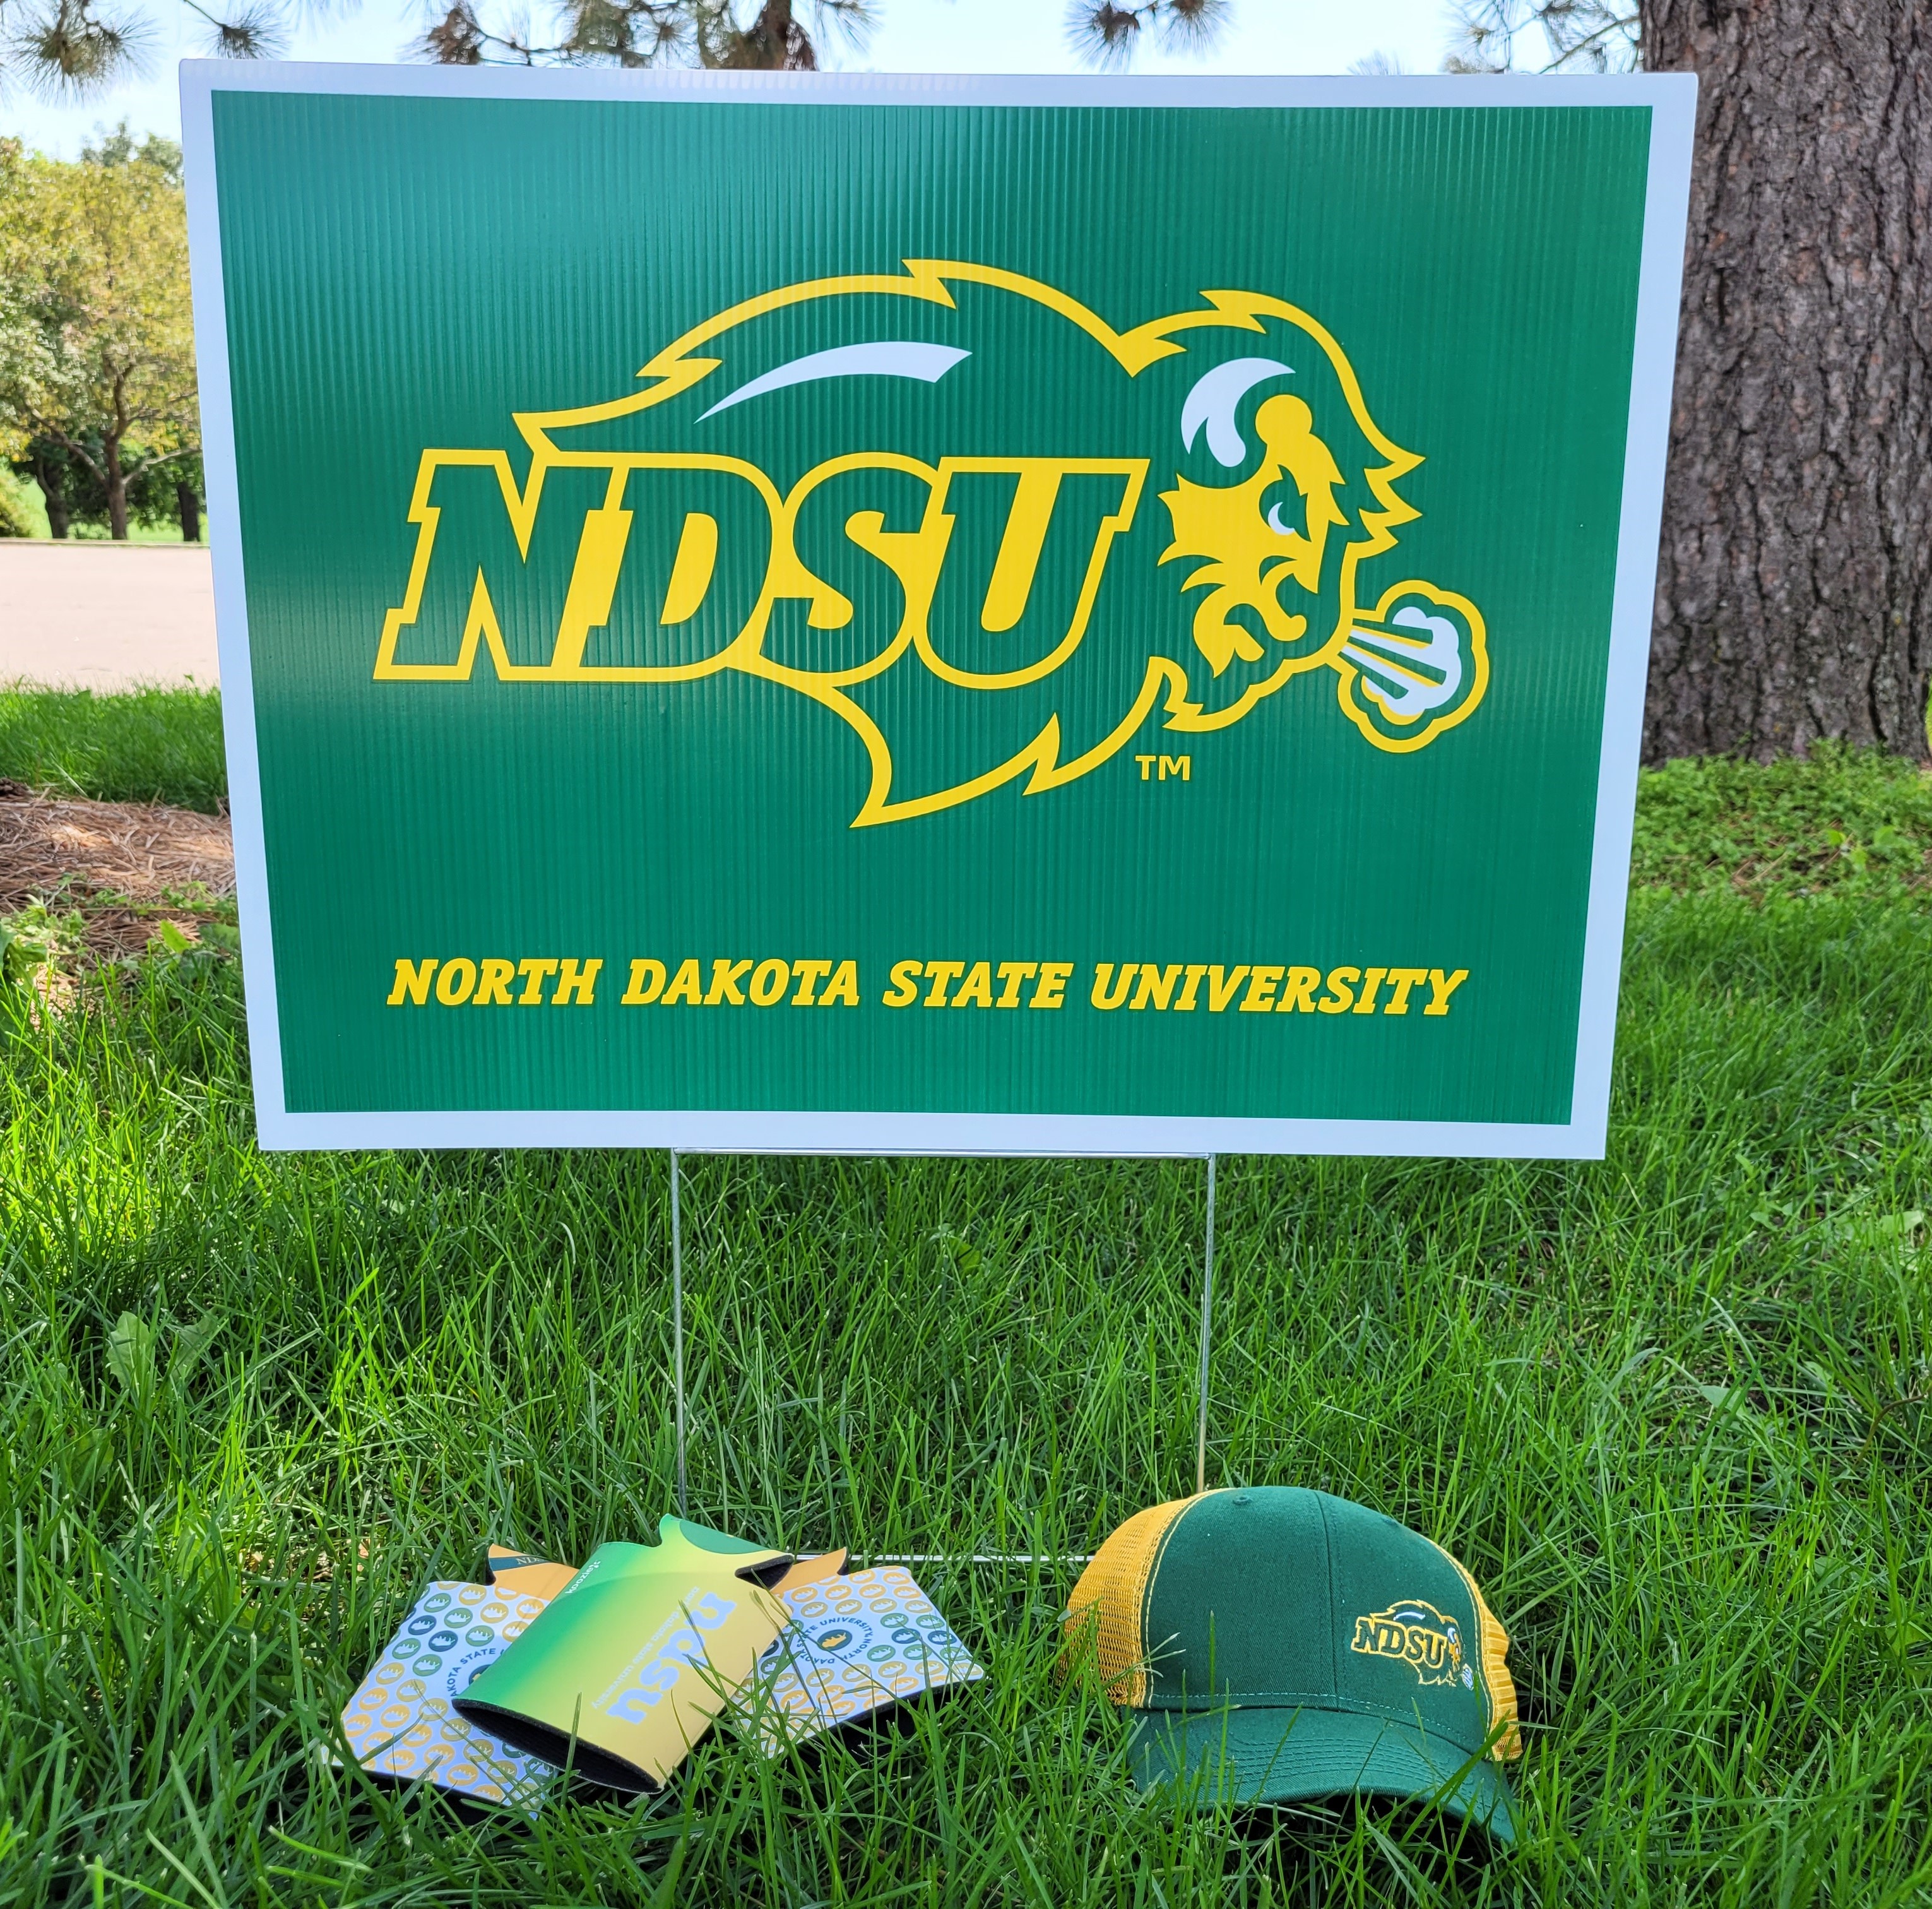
{"x": 1058, "y": 615}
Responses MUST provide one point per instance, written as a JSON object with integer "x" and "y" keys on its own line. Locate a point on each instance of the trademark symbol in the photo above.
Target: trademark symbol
{"x": 1182, "y": 766}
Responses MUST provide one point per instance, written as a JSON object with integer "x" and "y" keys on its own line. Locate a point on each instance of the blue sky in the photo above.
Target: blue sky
{"x": 914, "y": 36}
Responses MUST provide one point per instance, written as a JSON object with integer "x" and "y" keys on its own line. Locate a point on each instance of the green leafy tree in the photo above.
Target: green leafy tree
{"x": 97, "y": 349}
{"x": 49, "y": 466}
{"x": 159, "y": 491}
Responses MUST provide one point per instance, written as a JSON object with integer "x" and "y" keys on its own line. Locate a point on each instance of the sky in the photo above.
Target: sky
{"x": 913, "y": 36}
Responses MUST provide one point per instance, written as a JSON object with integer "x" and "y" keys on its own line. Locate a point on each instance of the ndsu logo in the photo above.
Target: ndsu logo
{"x": 1430, "y": 1643}
{"x": 959, "y": 511}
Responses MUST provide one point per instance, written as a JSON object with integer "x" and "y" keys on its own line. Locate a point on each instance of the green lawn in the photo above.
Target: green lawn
{"x": 1671, "y": 1409}
{"x": 150, "y": 745}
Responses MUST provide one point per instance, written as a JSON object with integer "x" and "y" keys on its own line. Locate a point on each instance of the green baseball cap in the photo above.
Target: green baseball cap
{"x": 1280, "y": 1644}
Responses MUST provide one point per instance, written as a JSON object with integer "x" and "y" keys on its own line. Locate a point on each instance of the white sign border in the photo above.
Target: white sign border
{"x": 1671, "y": 98}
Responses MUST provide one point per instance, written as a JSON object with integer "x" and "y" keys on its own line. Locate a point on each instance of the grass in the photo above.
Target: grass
{"x": 1844, "y": 823}
{"x": 1671, "y": 1409}
{"x": 158, "y": 745}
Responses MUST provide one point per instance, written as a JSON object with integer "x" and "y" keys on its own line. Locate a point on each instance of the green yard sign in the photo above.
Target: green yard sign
{"x": 859, "y": 613}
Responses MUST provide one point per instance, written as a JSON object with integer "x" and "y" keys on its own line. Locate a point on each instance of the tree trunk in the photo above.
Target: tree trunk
{"x": 117, "y": 491}
{"x": 189, "y": 505}
{"x": 56, "y": 494}
{"x": 1794, "y": 596}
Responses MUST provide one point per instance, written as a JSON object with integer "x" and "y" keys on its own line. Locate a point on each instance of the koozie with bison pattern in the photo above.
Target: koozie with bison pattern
{"x": 855, "y": 1646}
{"x": 401, "y": 1724}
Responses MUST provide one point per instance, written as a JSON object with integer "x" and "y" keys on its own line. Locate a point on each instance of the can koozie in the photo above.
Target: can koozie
{"x": 626, "y": 1667}
{"x": 402, "y": 1722}
{"x": 527, "y": 1574}
{"x": 853, "y": 1646}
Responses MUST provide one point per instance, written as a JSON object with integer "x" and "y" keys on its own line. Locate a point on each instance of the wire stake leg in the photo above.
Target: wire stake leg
{"x": 1207, "y": 1316}
{"x": 677, "y": 1333}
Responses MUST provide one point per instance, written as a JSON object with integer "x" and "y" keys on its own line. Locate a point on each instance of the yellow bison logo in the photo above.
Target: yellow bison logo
{"x": 997, "y": 596}
{"x": 1415, "y": 1633}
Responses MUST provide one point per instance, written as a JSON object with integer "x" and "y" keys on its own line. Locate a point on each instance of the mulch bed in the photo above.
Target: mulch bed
{"x": 123, "y": 867}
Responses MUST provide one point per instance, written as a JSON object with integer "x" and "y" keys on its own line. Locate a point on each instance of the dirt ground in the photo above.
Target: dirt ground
{"x": 123, "y": 867}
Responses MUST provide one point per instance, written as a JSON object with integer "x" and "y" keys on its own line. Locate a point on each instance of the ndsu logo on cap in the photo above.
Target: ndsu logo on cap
{"x": 1420, "y": 1636}
{"x": 958, "y": 509}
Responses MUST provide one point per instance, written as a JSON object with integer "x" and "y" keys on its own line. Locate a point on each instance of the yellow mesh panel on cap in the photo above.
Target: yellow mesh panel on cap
{"x": 1111, "y": 1600}
{"x": 1497, "y": 1682}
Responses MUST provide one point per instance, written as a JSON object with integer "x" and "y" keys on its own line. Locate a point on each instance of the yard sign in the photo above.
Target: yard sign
{"x": 848, "y": 612}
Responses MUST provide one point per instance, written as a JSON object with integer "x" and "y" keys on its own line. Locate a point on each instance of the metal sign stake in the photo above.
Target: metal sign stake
{"x": 1206, "y": 1314}
{"x": 677, "y": 1333}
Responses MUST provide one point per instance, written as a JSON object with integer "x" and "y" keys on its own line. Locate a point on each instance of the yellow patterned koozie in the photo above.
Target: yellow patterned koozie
{"x": 400, "y": 1723}
{"x": 854, "y": 1645}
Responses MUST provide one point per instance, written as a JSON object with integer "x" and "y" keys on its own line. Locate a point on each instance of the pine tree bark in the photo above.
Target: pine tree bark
{"x": 1794, "y": 597}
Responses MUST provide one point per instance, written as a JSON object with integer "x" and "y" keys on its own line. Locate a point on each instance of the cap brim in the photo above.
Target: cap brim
{"x": 1253, "y": 1755}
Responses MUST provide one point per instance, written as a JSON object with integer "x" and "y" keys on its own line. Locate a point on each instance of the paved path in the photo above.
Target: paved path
{"x": 104, "y": 616}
